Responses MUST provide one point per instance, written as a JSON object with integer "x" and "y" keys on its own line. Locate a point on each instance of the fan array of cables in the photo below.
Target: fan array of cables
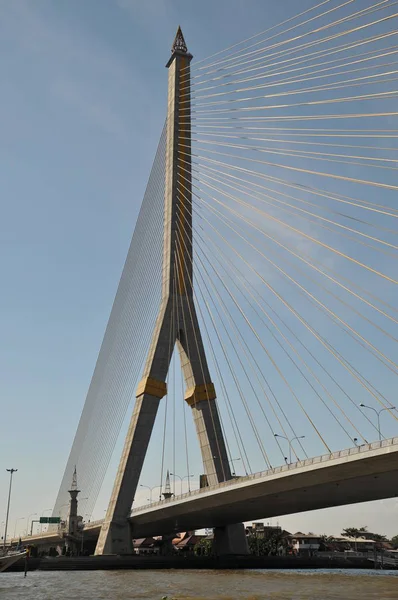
{"x": 294, "y": 187}
{"x": 123, "y": 350}
{"x": 293, "y": 169}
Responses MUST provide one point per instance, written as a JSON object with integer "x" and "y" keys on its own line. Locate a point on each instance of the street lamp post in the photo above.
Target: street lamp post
{"x": 61, "y": 507}
{"x": 27, "y": 522}
{"x": 11, "y": 472}
{"x": 150, "y": 491}
{"x": 180, "y": 478}
{"x": 189, "y": 481}
{"x": 289, "y": 441}
{"x": 59, "y": 514}
{"x": 16, "y": 522}
{"x": 233, "y": 466}
{"x": 42, "y": 514}
{"x": 33, "y": 521}
{"x": 378, "y": 413}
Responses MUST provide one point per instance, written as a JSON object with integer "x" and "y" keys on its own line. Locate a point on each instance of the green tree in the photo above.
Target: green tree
{"x": 257, "y": 546}
{"x": 377, "y": 537}
{"x": 354, "y": 532}
{"x": 270, "y": 545}
{"x": 325, "y": 541}
{"x": 394, "y": 541}
{"x": 204, "y": 547}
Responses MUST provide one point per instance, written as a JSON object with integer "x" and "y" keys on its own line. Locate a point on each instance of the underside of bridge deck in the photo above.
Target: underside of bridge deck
{"x": 373, "y": 476}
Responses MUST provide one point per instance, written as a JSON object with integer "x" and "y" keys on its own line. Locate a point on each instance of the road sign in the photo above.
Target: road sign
{"x": 50, "y": 519}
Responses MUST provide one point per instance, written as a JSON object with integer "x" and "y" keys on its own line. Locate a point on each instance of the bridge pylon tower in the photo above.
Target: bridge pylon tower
{"x": 177, "y": 323}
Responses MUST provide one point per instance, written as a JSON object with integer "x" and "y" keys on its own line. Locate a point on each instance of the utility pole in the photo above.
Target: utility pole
{"x": 11, "y": 472}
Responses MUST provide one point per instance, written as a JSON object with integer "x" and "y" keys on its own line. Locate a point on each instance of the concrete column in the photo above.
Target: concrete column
{"x": 115, "y": 535}
{"x": 230, "y": 540}
{"x": 200, "y": 393}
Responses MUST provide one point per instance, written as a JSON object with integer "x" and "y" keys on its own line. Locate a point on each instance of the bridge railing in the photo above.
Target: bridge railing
{"x": 360, "y": 449}
{"x": 36, "y": 536}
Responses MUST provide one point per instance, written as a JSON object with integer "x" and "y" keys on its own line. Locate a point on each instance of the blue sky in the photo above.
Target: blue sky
{"x": 82, "y": 107}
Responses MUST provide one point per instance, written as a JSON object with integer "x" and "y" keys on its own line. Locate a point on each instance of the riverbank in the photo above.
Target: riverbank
{"x": 103, "y": 563}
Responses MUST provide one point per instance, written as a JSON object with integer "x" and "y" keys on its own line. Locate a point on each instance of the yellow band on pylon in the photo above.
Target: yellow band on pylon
{"x": 151, "y": 386}
{"x": 205, "y": 391}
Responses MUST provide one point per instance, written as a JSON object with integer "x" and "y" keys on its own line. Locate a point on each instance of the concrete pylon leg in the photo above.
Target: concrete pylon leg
{"x": 115, "y": 536}
{"x": 200, "y": 395}
{"x": 230, "y": 540}
{"x": 166, "y": 545}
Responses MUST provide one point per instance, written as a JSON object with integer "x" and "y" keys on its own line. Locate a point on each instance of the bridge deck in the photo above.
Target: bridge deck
{"x": 360, "y": 474}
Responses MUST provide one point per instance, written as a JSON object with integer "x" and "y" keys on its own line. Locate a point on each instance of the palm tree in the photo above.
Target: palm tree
{"x": 355, "y": 533}
{"x": 326, "y": 540}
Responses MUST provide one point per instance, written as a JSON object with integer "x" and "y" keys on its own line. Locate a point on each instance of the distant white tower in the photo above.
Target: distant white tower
{"x": 73, "y": 518}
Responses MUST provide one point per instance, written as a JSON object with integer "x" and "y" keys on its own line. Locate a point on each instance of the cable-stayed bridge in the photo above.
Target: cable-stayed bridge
{"x": 353, "y": 475}
{"x": 265, "y": 253}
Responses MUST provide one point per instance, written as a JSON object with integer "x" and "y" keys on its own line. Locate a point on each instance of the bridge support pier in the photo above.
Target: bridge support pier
{"x": 230, "y": 539}
{"x": 166, "y": 548}
{"x": 115, "y": 538}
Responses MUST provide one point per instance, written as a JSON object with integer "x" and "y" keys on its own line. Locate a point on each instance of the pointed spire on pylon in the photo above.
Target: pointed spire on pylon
{"x": 179, "y": 44}
{"x": 73, "y": 487}
{"x": 72, "y": 517}
{"x": 179, "y": 48}
{"x": 74, "y": 480}
{"x": 167, "y": 488}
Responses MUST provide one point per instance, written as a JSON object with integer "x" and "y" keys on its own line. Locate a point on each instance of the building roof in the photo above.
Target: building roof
{"x": 299, "y": 535}
{"x": 190, "y": 541}
{"x": 181, "y": 536}
{"x": 333, "y": 538}
{"x": 144, "y": 542}
{"x": 344, "y": 538}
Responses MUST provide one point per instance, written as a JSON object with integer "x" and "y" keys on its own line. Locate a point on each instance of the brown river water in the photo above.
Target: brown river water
{"x": 200, "y": 585}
